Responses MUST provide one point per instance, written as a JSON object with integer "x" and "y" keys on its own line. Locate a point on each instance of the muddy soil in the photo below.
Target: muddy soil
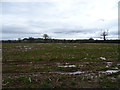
{"x": 53, "y": 74}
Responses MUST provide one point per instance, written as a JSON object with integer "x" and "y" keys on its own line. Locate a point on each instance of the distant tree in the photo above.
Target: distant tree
{"x": 104, "y": 34}
{"x": 19, "y": 39}
{"x": 31, "y": 39}
{"x": 25, "y": 39}
{"x": 91, "y": 39}
{"x": 45, "y": 36}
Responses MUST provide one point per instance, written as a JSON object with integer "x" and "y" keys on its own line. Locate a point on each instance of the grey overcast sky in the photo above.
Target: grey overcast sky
{"x": 60, "y": 19}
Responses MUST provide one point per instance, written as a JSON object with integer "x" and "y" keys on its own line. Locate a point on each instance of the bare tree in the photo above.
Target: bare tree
{"x": 45, "y": 36}
{"x": 104, "y": 34}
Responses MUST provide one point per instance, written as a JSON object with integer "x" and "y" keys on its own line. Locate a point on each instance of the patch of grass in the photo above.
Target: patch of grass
{"x": 80, "y": 78}
{"x": 73, "y": 83}
{"x": 77, "y": 65}
{"x": 8, "y": 79}
{"x": 60, "y": 68}
{"x": 47, "y": 84}
{"x": 113, "y": 65}
{"x": 104, "y": 78}
{"x": 61, "y": 78}
{"x": 118, "y": 66}
{"x": 23, "y": 79}
{"x": 108, "y": 83}
{"x": 37, "y": 58}
{"x": 103, "y": 67}
{"x": 33, "y": 69}
{"x": 30, "y": 86}
{"x": 51, "y": 51}
{"x": 39, "y": 69}
{"x": 86, "y": 79}
{"x": 118, "y": 81}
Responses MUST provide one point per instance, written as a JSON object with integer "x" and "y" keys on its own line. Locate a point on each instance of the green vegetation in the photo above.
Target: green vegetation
{"x": 36, "y": 65}
{"x": 73, "y": 83}
{"x": 59, "y": 51}
{"x": 108, "y": 83}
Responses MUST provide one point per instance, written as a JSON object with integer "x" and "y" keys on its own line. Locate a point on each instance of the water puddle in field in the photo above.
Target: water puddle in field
{"x": 24, "y": 47}
{"x": 102, "y": 58}
{"x": 108, "y": 64}
{"x": 115, "y": 68}
{"x": 65, "y": 46}
{"x": 28, "y": 48}
{"x": 112, "y": 71}
{"x": 75, "y": 46}
{"x": 69, "y": 73}
{"x": 67, "y": 66}
{"x": 109, "y": 71}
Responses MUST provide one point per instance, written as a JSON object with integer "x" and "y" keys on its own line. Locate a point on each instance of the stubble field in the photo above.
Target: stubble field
{"x": 60, "y": 65}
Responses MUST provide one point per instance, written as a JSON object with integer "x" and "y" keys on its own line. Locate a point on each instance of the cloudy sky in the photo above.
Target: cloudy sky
{"x": 60, "y": 19}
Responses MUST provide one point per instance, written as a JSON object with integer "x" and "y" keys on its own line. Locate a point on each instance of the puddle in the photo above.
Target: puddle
{"x": 118, "y": 64}
{"x": 73, "y": 57}
{"x": 24, "y": 47}
{"x": 66, "y": 63}
{"x": 81, "y": 65}
{"x": 65, "y": 46}
{"x": 115, "y": 68}
{"x": 70, "y": 73}
{"x": 67, "y": 66}
{"x": 109, "y": 71}
{"x": 28, "y": 48}
{"x": 102, "y": 58}
{"x": 112, "y": 71}
{"x": 91, "y": 75}
{"x": 108, "y": 64}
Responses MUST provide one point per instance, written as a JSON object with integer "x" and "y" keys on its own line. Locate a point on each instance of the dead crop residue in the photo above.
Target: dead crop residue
{"x": 59, "y": 65}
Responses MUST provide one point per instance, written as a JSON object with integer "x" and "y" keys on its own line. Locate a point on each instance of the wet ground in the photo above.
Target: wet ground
{"x": 34, "y": 66}
{"x": 38, "y": 71}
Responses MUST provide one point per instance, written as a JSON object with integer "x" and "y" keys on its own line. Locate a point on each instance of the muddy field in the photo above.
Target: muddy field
{"x": 60, "y": 65}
